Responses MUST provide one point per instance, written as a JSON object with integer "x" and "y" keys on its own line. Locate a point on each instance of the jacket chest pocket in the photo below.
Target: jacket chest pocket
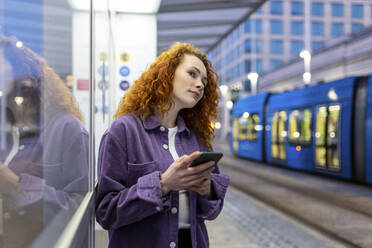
{"x": 137, "y": 170}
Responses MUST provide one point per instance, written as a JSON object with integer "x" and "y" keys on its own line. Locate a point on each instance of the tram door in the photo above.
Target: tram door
{"x": 235, "y": 134}
{"x": 278, "y": 136}
{"x": 327, "y": 146}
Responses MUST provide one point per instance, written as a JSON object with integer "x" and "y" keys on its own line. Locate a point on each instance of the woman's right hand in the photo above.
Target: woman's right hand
{"x": 180, "y": 176}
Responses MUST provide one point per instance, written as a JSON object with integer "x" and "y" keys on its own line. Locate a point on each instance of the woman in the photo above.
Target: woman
{"x": 147, "y": 195}
{"x": 43, "y": 146}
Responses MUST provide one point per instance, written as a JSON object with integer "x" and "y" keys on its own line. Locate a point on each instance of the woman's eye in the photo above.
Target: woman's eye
{"x": 192, "y": 74}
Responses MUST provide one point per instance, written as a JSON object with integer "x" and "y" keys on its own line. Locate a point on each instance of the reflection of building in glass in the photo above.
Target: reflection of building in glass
{"x": 275, "y": 34}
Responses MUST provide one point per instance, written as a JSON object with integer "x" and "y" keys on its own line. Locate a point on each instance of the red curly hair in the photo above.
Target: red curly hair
{"x": 152, "y": 91}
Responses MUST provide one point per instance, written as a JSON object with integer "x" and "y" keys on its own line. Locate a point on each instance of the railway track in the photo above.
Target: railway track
{"x": 338, "y": 210}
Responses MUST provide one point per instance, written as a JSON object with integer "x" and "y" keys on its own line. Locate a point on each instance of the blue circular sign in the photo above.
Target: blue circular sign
{"x": 103, "y": 70}
{"x": 124, "y": 85}
{"x": 124, "y": 71}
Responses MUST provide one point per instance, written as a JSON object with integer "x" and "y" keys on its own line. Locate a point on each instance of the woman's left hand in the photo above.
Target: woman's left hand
{"x": 204, "y": 188}
{"x": 9, "y": 181}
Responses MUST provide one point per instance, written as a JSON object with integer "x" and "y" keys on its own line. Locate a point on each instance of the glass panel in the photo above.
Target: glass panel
{"x": 235, "y": 133}
{"x": 274, "y": 136}
{"x": 243, "y": 128}
{"x": 300, "y": 126}
{"x": 333, "y": 136}
{"x": 282, "y": 134}
{"x": 44, "y": 141}
{"x": 253, "y": 126}
{"x": 320, "y": 136}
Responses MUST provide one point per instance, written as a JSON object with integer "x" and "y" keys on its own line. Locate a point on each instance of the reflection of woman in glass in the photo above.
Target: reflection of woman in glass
{"x": 148, "y": 196}
{"x": 43, "y": 145}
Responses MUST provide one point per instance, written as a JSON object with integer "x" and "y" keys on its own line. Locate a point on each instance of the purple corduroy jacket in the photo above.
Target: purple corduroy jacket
{"x": 129, "y": 203}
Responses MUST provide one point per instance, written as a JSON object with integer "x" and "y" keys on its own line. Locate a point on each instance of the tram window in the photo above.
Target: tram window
{"x": 300, "y": 127}
{"x": 274, "y": 136}
{"x": 278, "y": 135}
{"x": 235, "y": 128}
{"x": 320, "y": 129}
{"x": 332, "y": 136}
{"x": 253, "y": 127}
{"x": 243, "y": 127}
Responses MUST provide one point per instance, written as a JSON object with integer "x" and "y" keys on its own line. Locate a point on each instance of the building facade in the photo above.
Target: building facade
{"x": 277, "y": 32}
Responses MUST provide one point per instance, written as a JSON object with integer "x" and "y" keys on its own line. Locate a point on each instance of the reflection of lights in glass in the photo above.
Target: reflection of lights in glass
{"x": 19, "y": 44}
{"x": 246, "y": 115}
{"x": 258, "y": 127}
{"x": 18, "y": 100}
{"x": 317, "y": 135}
{"x": 332, "y": 135}
{"x": 296, "y": 134}
{"x": 242, "y": 120}
{"x": 283, "y": 133}
{"x": 1, "y": 93}
{"x": 224, "y": 89}
{"x": 229, "y": 104}
{"x": 217, "y": 125}
{"x": 332, "y": 95}
{"x": 322, "y": 109}
{"x": 334, "y": 108}
{"x": 298, "y": 148}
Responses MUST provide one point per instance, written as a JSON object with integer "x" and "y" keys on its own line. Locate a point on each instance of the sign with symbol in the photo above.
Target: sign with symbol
{"x": 103, "y": 85}
{"x": 124, "y": 71}
{"x": 124, "y": 85}
{"x": 124, "y": 57}
{"x": 103, "y": 70}
{"x": 102, "y": 56}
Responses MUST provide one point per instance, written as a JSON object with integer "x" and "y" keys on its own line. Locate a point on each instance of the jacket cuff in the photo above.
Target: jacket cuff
{"x": 149, "y": 189}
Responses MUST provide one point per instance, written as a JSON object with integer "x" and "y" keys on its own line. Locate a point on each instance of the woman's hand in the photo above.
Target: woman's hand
{"x": 180, "y": 176}
{"x": 9, "y": 181}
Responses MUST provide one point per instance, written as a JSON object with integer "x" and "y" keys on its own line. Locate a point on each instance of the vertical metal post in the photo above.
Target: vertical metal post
{"x": 91, "y": 120}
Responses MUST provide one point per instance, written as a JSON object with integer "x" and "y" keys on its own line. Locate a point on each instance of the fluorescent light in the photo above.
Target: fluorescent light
{"x": 123, "y": 6}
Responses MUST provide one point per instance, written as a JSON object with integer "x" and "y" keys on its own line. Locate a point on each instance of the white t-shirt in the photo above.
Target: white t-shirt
{"x": 184, "y": 206}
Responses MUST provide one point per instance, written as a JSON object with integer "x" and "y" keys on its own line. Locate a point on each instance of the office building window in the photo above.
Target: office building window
{"x": 276, "y": 7}
{"x": 275, "y": 63}
{"x": 248, "y": 46}
{"x": 296, "y": 47}
{"x": 317, "y": 44}
{"x": 357, "y": 11}
{"x": 276, "y": 27}
{"x": 276, "y": 46}
{"x": 356, "y": 27}
{"x": 317, "y": 28}
{"x": 317, "y": 9}
{"x": 337, "y": 29}
{"x": 297, "y": 27}
{"x": 297, "y": 8}
{"x": 337, "y": 9}
{"x": 248, "y": 66}
{"x": 248, "y": 27}
{"x": 258, "y": 11}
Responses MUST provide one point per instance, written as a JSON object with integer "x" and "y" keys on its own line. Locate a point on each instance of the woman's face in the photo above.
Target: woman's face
{"x": 190, "y": 79}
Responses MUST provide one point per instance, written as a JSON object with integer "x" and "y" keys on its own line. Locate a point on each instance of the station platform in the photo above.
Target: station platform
{"x": 247, "y": 223}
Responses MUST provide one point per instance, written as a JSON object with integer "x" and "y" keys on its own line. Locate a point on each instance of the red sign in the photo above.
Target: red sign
{"x": 82, "y": 84}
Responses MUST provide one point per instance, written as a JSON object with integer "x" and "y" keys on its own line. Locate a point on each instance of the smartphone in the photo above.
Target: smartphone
{"x": 206, "y": 157}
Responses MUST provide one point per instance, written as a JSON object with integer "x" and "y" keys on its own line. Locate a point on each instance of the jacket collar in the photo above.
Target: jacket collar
{"x": 152, "y": 123}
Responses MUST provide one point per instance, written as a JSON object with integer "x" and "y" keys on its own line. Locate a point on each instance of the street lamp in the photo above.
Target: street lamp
{"x": 306, "y": 55}
{"x": 253, "y": 77}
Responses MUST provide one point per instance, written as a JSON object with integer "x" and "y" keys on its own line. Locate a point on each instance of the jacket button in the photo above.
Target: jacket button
{"x": 174, "y": 210}
{"x": 165, "y": 146}
{"x": 172, "y": 244}
{"x": 158, "y": 208}
{"x": 162, "y": 128}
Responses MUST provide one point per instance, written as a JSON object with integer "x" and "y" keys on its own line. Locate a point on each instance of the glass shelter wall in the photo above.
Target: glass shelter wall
{"x": 46, "y": 158}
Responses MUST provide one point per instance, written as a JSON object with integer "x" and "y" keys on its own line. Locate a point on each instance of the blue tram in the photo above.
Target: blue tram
{"x": 322, "y": 128}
